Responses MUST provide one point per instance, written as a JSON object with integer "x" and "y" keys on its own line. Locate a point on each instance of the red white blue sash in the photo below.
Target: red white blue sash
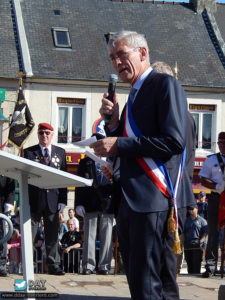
{"x": 153, "y": 168}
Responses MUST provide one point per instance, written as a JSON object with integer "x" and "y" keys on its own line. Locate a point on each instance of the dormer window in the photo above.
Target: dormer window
{"x": 61, "y": 37}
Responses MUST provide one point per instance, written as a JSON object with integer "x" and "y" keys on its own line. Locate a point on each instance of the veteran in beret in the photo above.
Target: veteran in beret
{"x": 47, "y": 202}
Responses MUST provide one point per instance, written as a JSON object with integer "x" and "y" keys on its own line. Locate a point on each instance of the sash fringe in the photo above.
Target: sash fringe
{"x": 171, "y": 225}
{"x": 176, "y": 243}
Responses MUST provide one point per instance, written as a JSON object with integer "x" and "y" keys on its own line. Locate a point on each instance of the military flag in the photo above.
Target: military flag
{"x": 22, "y": 122}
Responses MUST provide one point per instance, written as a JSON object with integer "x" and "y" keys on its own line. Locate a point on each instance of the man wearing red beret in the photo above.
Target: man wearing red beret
{"x": 47, "y": 203}
{"x": 212, "y": 177}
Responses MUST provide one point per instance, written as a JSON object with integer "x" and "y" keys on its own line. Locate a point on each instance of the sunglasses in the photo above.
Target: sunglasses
{"x": 44, "y": 132}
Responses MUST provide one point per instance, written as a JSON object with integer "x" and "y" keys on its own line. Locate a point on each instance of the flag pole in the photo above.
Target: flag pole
{"x": 21, "y": 75}
{"x": 176, "y": 71}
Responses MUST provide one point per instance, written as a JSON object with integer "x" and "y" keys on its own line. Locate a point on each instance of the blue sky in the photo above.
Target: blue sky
{"x": 219, "y": 1}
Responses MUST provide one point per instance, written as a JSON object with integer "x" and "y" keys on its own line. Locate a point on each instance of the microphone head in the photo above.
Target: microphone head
{"x": 113, "y": 78}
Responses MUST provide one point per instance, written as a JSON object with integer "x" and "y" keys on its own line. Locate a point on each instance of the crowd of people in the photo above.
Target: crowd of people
{"x": 146, "y": 186}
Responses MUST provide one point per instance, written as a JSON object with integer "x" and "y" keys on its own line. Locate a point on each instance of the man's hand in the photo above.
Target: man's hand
{"x": 107, "y": 171}
{"x": 67, "y": 250}
{"x": 112, "y": 109}
{"x": 106, "y": 147}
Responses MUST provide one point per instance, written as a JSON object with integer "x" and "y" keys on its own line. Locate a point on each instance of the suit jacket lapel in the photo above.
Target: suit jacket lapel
{"x": 38, "y": 155}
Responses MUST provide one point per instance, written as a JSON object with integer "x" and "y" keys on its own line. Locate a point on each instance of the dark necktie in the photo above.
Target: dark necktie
{"x": 47, "y": 156}
{"x": 132, "y": 94}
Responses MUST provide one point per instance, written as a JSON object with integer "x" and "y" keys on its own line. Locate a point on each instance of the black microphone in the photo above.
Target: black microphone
{"x": 111, "y": 90}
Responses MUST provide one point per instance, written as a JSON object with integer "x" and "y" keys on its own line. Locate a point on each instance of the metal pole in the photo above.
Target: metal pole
{"x": 26, "y": 236}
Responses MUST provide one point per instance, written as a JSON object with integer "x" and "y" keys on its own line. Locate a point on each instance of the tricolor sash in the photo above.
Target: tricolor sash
{"x": 154, "y": 168}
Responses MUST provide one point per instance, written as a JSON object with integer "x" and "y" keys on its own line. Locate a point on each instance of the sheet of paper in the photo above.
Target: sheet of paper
{"x": 96, "y": 158}
{"x": 86, "y": 142}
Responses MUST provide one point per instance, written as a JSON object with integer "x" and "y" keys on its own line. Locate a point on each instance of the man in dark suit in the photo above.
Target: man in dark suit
{"x": 7, "y": 191}
{"x": 151, "y": 132}
{"x": 47, "y": 202}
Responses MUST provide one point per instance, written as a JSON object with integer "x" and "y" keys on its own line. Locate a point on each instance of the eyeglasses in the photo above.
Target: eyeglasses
{"x": 122, "y": 55}
{"x": 44, "y": 132}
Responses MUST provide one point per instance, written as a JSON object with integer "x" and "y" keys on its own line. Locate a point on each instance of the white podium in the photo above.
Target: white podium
{"x": 42, "y": 176}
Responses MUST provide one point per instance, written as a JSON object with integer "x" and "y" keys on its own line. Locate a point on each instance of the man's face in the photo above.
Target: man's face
{"x": 202, "y": 198}
{"x": 193, "y": 212}
{"x": 71, "y": 213}
{"x": 45, "y": 137}
{"x": 221, "y": 144}
{"x": 70, "y": 225}
{"x": 128, "y": 62}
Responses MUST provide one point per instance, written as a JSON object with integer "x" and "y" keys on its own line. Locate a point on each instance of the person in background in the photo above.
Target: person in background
{"x": 195, "y": 238}
{"x": 173, "y": 263}
{"x": 212, "y": 177}
{"x": 16, "y": 220}
{"x": 14, "y": 252}
{"x": 202, "y": 205}
{"x": 7, "y": 191}
{"x": 39, "y": 244}
{"x": 71, "y": 214}
{"x": 96, "y": 206}
{"x": 47, "y": 202}
{"x": 62, "y": 226}
{"x": 70, "y": 240}
{"x": 152, "y": 128}
{"x": 162, "y": 67}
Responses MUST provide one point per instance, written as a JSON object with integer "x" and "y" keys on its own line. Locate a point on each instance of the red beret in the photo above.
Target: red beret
{"x": 221, "y": 135}
{"x": 45, "y": 126}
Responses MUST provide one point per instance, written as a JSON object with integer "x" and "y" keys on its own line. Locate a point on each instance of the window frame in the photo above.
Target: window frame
{"x": 86, "y": 116}
{"x": 55, "y": 38}
{"x": 207, "y": 99}
{"x": 70, "y": 118}
{"x": 200, "y": 127}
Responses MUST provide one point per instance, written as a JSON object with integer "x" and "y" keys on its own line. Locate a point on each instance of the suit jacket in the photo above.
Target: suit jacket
{"x": 160, "y": 112}
{"x": 40, "y": 197}
{"x": 91, "y": 197}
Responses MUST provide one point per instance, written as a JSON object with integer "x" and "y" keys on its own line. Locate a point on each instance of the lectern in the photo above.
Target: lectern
{"x": 42, "y": 176}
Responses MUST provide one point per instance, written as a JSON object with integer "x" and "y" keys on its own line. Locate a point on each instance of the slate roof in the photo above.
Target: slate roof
{"x": 220, "y": 19}
{"x": 174, "y": 32}
{"x": 8, "y": 50}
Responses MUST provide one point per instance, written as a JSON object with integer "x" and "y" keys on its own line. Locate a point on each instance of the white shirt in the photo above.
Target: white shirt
{"x": 140, "y": 80}
{"x": 43, "y": 150}
{"x": 211, "y": 169}
{"x": 76, "y": 222}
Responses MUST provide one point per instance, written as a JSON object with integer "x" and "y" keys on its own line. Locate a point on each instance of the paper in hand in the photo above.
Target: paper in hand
{"x": 97, "y": 159}
{"x": 86, "y": 142}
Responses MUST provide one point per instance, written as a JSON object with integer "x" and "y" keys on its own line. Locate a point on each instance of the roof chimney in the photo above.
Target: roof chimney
{"x": 200, "y": 5}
